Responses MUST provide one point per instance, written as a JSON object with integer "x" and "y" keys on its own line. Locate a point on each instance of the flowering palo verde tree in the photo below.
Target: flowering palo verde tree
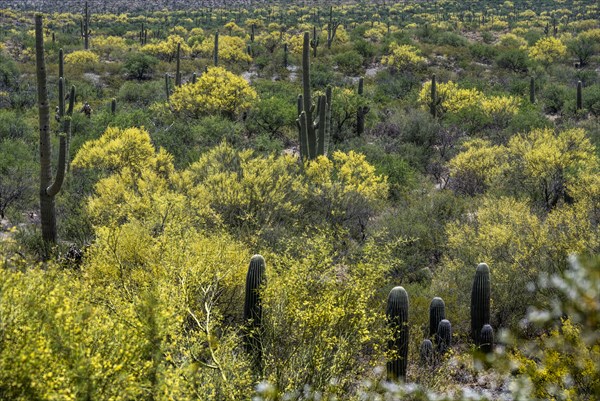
{"x": 217, "y": 91}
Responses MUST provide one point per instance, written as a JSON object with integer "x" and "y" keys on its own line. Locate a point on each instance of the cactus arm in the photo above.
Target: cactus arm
{"x": 53, "y": 189}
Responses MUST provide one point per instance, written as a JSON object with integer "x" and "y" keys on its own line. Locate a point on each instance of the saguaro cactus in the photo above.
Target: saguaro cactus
{"x": 332, "y": 27}
{"x": 167, "y": 89}
{"x": 579, "y": 96}
{"x": 397, "y": 318}
{"x": 313, "y": 133}
{"x": 48, "y": 188}
{"x": 216, "y": 50}
{"x": 433, "y": 106}
{"x": 444, "y": 336}
{"x": 285, "y": 55}
{"x": 362, "y": 110}
{"x": 437, "y": 313}
{"x": 487, "y": 339}
{"x": 255, "y": 279}
{"x": 532, "y": 90}
{"x": 178, "y": 66}
{"x": 113, "y": 106}
{"x": 480, "y": 301}
{"x": 314, "y": 43}
{"x": 426, "y": 352}
{"x": 85, "y": 27}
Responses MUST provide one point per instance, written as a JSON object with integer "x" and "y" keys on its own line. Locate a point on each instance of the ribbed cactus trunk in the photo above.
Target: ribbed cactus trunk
{"x": 178, "y": 66}
{"x": 579, "y": 96}
{"x": 480, "y": 301}
{"x": 167, "y": 89}
{"x": 426, "y": 352}
{"x": 397, "y": 319}
{"x": 216, "y": 50}
{"x": 314, "y": 43}
{"x": 61, "y": 63}
{"x": 308, "y": 105}
{"x": 532, "y": 90}
{"x": 255, "y": 280}
{"x": 86, "y": 28}
{"x": 444, "y": 336}
{"x": 362, "y": 111}
{"x": 437, "y": 313}
{"x": 487, "y": 339}
{"x": 434, "y": 99}
{"x": 48, "y": 188}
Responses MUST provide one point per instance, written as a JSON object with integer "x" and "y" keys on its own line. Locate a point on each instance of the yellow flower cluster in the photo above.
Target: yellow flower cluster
{"x": 216, "y": 91}
{"x": 167, "y": 49}
{"x": 231, "y": 48}
{"x": 455, "y": 99}
{"x": 402, "y": 57}
{"x": 81, "y": 57}
{"x": 548, "y": 50}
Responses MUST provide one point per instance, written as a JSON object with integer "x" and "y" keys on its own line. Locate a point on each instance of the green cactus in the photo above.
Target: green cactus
{"x": 532, "y": 90}
{"x": 314, "y": 43}
{"x": 177, "y": 69}
{"x": 397, "y": 320}
{"x": 194, "y": 77}
{"x": 332, "y": 27}
{"x": 480, "y": 301}
{"x": 486, "y": 339}
{"x": 216, "y": 50}
{"x": 579, "y": 96}
{"x": 85, "y": 27}
{"x": 252, "y": 27}
{"x": 437, "y": 313}
{"x": 285, "y": 55}
{"x": 426, "y": 352}
{"x": 167, "y": 89}
{"x": 255, "y": 279}
{"x": 435, "y": 101}
{"x": 362, "y": 110}
{"x": 48, "y": 187}
{"x": 314, "y": 133}
{"x": 444, "y": 336}
{"x": 61, "y": 63}
{"x": 113, "y": 106}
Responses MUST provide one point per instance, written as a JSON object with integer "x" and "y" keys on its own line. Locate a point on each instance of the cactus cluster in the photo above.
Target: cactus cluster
{"x": 314, "y": 129}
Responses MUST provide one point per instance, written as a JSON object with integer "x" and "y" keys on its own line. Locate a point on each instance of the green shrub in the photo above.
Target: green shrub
{"x": 139, "y": 65}
{"x": 349, "y": 63}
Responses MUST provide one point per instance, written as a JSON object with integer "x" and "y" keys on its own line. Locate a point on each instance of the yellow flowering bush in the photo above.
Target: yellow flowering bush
{"x": 403, "y": 57}
{"x": 106, "y": 45}
{"x": 81, "y": 57}
{"x": 167, "y": 49}
{"x": 216, "y": 91}
{"x": 548, "y": 50}
{"x": 231, "y": 48}
{"x": 454, "y": 99}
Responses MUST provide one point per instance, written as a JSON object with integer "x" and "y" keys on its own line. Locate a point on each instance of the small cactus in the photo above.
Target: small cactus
{"x": 113, "y": 106}
{"x": 532, "y": 90}
{"x": 487, "y": 339}
{"x": 579, "y": 96}
{"x": 216, "y": 50}
{"x": 444, "y": 336}
{"x": 167, "y": 89}
{"x": 362, "y": 111}
{"x": 437, "y": 313}
{"x": 480, "y": 301}
{"x": 177, "y": 70}
{"x": 255, "y": 279}
{"x": 397, "y": 318}
{"x": 426, "y": 352}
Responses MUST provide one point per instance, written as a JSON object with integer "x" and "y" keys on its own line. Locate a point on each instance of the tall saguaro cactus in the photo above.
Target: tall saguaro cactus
{"x": 579, "y": 96}
{"x": 178, "y": 66}
{"x": 532, "y": 90}
{"x": 85, "y": 27}
{"x": 255, "y": 279}
{"x": 332, "y": 27}
{"x": 362, "y": 110}
{"x": 48, "y": 187}
{"x": 314, "y": 130}
{"x": 480, "y": 301}
{"x": 216, "y": 50}
{"x": 397, "y": 318}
